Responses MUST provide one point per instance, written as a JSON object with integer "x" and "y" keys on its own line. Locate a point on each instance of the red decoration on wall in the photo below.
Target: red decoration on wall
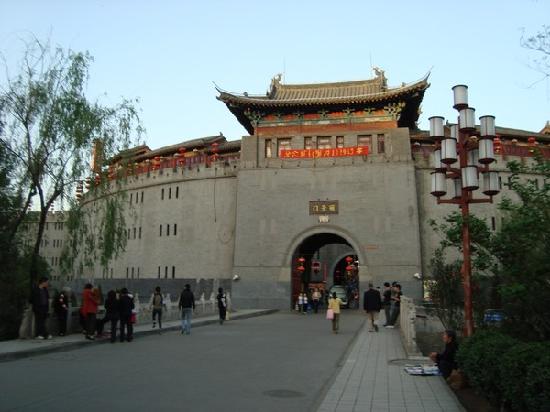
{"x": 321, "y": 153}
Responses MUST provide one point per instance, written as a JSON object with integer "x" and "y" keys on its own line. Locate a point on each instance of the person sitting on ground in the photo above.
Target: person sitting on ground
{"x": 446, "y": 360}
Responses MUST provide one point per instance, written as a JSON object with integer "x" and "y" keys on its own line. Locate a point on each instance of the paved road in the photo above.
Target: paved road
{"x": 280, "y": 362}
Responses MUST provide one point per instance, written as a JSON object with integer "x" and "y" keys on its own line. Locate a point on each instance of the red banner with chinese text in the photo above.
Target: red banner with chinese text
{"x": 320, "y": 153}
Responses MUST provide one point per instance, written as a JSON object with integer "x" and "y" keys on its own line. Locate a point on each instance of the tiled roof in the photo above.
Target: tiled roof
{"x": 364, "y": 91}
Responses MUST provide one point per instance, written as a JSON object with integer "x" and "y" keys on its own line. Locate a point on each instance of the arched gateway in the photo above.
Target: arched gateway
{"x": 323, "y": 258}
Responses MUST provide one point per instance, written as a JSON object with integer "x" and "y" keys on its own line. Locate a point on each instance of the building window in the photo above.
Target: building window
{"x": 493, "y": 223}
{"x": 177, "y": 191}
{"x": 268, "y": 148}
{"x": 126, "y": 273}
{"x": 365, "y": 140}
{"x": 137, "y": 197}
{"x": 339, "y": 142}
{"x": 160, "y": 230}
{"x": 128, "y": 233}
{"x": 173, "y": 272}
{"x": 282, "y": 144}
{"x": 161, "y": 194}
{"x": 165, "y": 272}
{"x": 175, "y": 229}
{"x": 138, "y": 273}
{"x": 381, "y": 144}
{"x": 323, "y": 142}
{"x": 111, "y": 273}
{"x": 309, "y": 143}
{"x": 141, "y": 197}
{"x": 139, "y": 233}
{"x": 132, "y": 273}
{"x": 169, "y": 193}
{"x": 159, "y": 272}
{"x": 134, "y": 233}
{"x": 131, "y": 197}
{"x": 167, "y": 230}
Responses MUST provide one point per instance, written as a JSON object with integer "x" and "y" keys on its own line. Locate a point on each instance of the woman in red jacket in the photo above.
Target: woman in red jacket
{"x": 90, "y": 300}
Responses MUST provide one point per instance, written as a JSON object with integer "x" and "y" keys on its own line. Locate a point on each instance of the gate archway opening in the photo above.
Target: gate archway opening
{"x": 321, "y": 261}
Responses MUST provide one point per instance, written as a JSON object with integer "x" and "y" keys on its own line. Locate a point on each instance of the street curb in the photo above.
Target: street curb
{"x": 11, "y": 356}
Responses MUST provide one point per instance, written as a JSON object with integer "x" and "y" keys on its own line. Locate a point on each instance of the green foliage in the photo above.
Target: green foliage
{"x": 445, "y": 290}
{"x": 537, "y": 382}
{"x": 507, "y": 371}
{"x": 95, "y": 232}
{"x": 51, "y": 125}
{"x": 522, "y": 247}
{"x": 479, "y": 357}
{"x": 514, "y": 366}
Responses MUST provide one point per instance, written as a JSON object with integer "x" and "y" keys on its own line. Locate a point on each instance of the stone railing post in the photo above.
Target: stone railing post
{"x": 407, "y": 319}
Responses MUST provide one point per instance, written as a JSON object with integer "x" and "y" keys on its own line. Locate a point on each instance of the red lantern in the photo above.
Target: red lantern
{"x": 497, "y": 145}
{"x": 300, "y": 268}
{"x": 349, "y": 259}
{"x": 301, "y": 260}
{"x": 349, "y": 268}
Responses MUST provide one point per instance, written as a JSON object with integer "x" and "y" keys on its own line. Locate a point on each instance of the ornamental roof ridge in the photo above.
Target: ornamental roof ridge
{"x": 325, "y": 92}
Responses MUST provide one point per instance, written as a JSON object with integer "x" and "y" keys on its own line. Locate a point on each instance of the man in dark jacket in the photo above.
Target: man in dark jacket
{"x": 126, "y": 305}
{"x": 186, "y": 305}
{"x": 372, "y": 304}
{"x": 40, "y": 300}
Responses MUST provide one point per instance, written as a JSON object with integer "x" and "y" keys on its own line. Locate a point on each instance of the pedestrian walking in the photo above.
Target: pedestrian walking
{"x": 157, "y": 305}
{"x": 334, "y": 304}
{"x": 386, "y": 302}
{"x": 222, "y": 305}
{"x": 316, "y": 297}
{"x": 40, "y": 300}
{"x": 112, "y": 315}
{"x": 300, "y": 302}
{"x": 126, "y": 307}
{"x": 90, "y": 301}
{"x": 372, "y": 303}
{"x": 186, "y": 305}
{"x": 61, "y": 309}
{"x": 396, "y": 306}
{"x": 305, "y": 304}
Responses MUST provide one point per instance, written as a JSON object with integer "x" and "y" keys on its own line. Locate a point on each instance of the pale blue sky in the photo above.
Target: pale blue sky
{"x": 169, "y": 53}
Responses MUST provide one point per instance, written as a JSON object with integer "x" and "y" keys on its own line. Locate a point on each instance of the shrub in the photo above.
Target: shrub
{"x": 514, "y": 365}
{"x": 479, "y": 358}
{"x": 537, "y": 383}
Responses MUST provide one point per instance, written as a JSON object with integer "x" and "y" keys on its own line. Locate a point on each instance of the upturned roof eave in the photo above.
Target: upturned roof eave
{"x": 261, "y": 101}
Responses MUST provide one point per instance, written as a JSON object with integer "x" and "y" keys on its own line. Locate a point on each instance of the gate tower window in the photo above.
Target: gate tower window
{"x": 381, "y": 144}
{"x": 339, "y": 142}
{"x": 323, "y": 142}
{"x": 309, "y": 143}
{"x": 365, "y": 140}
{"x": 283, "y": 144}
{"x": 268, "y": 148}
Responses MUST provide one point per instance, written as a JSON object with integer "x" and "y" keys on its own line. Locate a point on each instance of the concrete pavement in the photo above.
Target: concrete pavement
{"x": 284, "y": 361}
{"x": 24, "y": 348}
{"x": 372, "y": 378}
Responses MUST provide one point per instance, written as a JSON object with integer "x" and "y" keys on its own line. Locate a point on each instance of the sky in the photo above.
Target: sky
{"x": 169, "y": 54}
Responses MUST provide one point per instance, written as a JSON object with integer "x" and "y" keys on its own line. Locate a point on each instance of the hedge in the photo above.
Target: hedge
{"x": 508, "y": 372}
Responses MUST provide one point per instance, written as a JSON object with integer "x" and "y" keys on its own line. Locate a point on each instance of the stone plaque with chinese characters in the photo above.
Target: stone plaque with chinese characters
{"x": 323, "y": 207}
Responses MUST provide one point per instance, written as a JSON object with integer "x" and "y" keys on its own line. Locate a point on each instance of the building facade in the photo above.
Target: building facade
{"x": 330, "y": 186}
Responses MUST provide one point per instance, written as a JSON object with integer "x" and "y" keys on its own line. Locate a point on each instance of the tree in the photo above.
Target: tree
{"x": 522, "y": 247}
{"x": 540, "y": 43}
{"x": 511, "y": 268}
{"x": 445, "y": 280}
{"x": 51, "y": 126}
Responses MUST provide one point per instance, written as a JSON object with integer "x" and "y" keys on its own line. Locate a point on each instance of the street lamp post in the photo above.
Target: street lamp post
{"x": 474, "y": 150}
